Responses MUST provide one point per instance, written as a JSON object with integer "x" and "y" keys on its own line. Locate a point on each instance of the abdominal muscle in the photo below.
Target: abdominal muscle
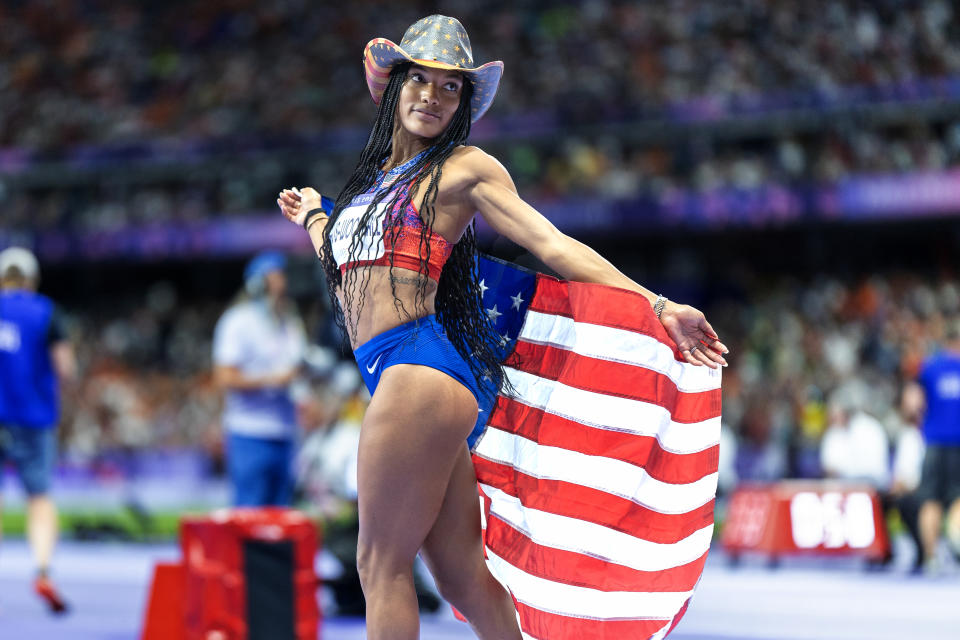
{"x": 381, "y": 307}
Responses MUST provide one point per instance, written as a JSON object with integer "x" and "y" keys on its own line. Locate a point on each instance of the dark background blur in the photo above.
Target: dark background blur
{"x": 792, "y": 168}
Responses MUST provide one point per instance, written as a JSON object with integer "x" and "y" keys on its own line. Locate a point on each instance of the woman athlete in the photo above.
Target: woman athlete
{"x": 399, "y": 252}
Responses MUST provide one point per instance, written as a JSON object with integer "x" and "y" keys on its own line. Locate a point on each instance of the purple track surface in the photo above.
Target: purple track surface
{"x": 107, "y": 587}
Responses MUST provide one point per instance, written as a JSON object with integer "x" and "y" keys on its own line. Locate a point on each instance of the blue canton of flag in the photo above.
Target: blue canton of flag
{"x": 506, "y": 290}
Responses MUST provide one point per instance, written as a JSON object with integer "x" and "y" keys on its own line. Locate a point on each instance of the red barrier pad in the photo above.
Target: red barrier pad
{"x": 797, "y": 517}
{"x": 165, "y": 607}
{"x": 249, "y": 575}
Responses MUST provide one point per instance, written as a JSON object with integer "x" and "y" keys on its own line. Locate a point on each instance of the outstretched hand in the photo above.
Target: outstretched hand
{"x": 295, "y": 204}
{"x": 290, "y": 205}
{"x": 695, "y": 338}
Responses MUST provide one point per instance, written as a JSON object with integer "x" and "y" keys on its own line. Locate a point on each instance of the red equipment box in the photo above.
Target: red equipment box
{"x": 247, "y": 574}
{"x": 816, "y": 517}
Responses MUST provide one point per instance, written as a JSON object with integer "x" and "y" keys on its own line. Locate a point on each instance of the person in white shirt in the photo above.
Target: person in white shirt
{"x": 855, "y": 445}
{"x": 258, "y": 347}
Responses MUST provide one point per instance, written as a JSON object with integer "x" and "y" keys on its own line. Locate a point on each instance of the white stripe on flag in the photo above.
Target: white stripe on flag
{"x": 570, "y": 534}
{"x": 616, "y": 477}
{"x": 582, "y": 602}
{"x": 617, "y": 345}
{"x": 614, "y": 413}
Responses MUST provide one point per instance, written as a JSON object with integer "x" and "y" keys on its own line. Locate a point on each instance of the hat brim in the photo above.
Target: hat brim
{"x": 381, "y": 54}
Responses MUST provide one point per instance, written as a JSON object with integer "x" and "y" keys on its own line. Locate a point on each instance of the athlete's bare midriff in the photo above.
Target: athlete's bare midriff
{"x": 382, "y": 307}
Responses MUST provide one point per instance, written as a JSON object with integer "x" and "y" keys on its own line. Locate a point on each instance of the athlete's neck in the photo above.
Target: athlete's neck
{"x": 405, "y": 146}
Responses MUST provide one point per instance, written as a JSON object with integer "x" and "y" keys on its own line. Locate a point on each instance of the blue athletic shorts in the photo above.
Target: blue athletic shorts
{"x": 422, "y": 341}
{"x": 33, "y": 452}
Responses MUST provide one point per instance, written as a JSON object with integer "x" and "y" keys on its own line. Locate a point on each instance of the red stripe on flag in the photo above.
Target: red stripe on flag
{"x": 676, "y": 618}
{"x": 592, "y": 505}
{"x": 551, "y": 430}
{"x": 615, "y": 379}
{"x": 544, "y": 625}
{"x": 621, "y": 309}
{"x": 578, "y": 569}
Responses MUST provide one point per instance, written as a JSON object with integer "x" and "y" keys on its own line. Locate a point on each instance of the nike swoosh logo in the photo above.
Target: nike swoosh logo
{"x": 373, "y": 367}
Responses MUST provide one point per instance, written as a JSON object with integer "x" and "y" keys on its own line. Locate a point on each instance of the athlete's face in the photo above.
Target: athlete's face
{"x": 428, "y": 100}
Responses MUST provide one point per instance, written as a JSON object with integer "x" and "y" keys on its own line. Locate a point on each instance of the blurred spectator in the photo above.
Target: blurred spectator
{"x": 908, "y": 468}
{"x": 35, "y": 355}
{"x": 939, "y": 490}
{"x": 855, "y": 446}
{"x": 326, "y": 463}
{"x": 258, "y": 350}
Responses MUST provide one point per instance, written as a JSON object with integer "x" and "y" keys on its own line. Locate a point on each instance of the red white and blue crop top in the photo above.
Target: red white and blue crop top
{"x": 379, "y": 241}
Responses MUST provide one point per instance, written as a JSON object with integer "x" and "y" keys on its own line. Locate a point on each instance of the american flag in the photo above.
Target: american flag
{"x": 597, "y": 480}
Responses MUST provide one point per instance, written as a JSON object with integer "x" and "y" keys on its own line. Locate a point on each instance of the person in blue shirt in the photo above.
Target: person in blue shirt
{"x": 258, "y": 348}
{"x": 939, "y": 489}
{"x": 35, "y": 355}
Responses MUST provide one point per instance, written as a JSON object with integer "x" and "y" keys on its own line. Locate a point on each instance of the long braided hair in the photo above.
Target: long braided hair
{"x": 459, "y": 304}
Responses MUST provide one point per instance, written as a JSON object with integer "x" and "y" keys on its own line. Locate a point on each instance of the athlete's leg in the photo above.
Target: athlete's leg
{"x": 416, "y": 422}
{"x": 454, "y": 552}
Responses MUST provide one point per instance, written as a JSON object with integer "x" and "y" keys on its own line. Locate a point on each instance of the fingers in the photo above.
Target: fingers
{"x": 710, "y": 356}
{"x": 716, "y": 349}
{"x": 692, "y": 357}
{"x": 289, "y": 202}
{"x": 716, "y": 345}
{"x": 291, "y": 198}
{"x": 698, "y": 355}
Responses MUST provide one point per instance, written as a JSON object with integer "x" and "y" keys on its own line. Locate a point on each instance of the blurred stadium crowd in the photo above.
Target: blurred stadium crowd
{"x": 97, "y": 71}
{"x": 796, "y": 344}
{"x": 116, "y": 114}
{"x": 120, "y": 114}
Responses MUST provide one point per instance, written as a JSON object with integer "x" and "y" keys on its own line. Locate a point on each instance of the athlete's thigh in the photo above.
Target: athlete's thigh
{"x": 456, "y": 536}
{"x": 416, "y": 422}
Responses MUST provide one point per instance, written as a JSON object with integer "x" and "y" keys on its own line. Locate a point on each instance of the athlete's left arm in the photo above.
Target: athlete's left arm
{"x": 491, "y": 192}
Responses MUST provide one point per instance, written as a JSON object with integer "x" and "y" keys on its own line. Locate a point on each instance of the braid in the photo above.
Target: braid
{"x": 459, "y": 304}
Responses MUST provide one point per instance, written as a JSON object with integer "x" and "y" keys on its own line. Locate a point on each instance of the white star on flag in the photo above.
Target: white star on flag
{"x": 504, "y": 339}
{"x": 483, "y": 287}
{"x": 517, "y": 301}
{"x": 493, "y": 314}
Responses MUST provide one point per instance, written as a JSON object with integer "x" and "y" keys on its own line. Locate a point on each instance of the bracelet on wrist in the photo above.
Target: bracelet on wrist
{"x": 659, "y": 304}
{"x": 324, "y": 210}
{"x": 313, "y": 215}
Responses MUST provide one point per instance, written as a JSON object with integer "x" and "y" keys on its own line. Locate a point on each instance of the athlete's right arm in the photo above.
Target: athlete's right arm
{"x": 296, "y": 205}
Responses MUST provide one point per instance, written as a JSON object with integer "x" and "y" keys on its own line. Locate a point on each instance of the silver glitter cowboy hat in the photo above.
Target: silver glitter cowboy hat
{"x": 439, "y": 42}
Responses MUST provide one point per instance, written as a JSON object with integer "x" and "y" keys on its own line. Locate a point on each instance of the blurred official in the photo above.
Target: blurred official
{"x": 34, "y": 355}
{"x": 258, "y": 348}
{"x": 939, "y": 490}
